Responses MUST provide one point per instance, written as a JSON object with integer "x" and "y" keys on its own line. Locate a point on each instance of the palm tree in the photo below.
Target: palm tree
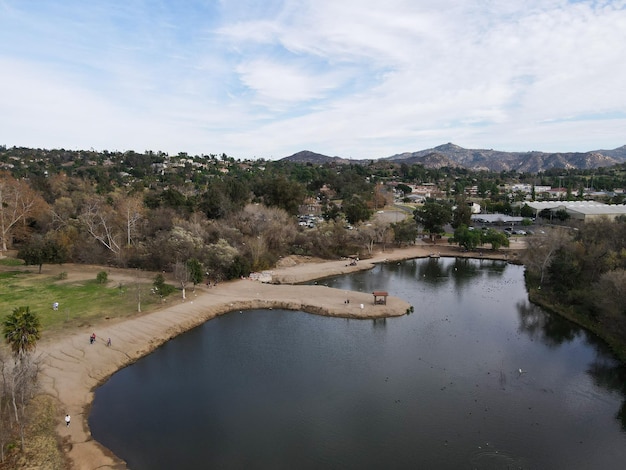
{"x": 21, "y": 331}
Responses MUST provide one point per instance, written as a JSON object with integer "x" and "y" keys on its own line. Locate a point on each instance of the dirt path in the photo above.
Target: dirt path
{"x": 73, "y": 368}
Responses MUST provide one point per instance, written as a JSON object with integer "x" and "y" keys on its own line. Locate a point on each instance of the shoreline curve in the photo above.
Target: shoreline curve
{"x": 72, "y": 368}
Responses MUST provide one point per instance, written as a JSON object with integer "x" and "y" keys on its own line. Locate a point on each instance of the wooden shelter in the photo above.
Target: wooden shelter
{"x": 380, "y": 297}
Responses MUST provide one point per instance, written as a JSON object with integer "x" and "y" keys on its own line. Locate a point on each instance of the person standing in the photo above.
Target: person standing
{"x": 67, "y": 420}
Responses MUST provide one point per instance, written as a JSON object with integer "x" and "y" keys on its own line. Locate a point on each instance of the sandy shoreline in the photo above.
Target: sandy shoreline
{"x": 72, "y": 368}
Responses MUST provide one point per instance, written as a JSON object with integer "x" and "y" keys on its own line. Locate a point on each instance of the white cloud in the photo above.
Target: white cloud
{"x": 352, "y": 78}
{"x": 275, "y": 81}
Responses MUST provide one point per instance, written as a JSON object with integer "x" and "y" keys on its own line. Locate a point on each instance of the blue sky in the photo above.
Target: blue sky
{"x": 352, "y": 78}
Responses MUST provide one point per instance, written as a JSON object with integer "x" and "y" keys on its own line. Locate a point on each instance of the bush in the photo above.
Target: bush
{"x": 161, "y": 288}
{"x": 102, "y": 277}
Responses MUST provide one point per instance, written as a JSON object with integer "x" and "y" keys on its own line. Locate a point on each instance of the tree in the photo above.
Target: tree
{"x": 21, "y": 331}
{"x": 565, "y": 270}
{"x": 222, "y": 198}
{"x": 612, "y": 294}
{"x": 496, "y": 238}
{"x": 377, "y": 232}
{"x": 406, "y": 189}
{"x": 331, "y": 211}
{"x": 272, "y": 224}
{"x": 526, "y": 211}
{"x": 131, "y": 209}
{"x": 355, "y": 209}
{"x": 239, "y": 267}
{"x": 18, "y": 202}
{"x": 102, "y": 277}
{"x": 466, "y": 238}
{"x": 195, "y": 271}
{"x": 100, "y": 220}
{"x": 405, "y": 231}
{"x": 540, "y": 250}
{"x": 369, "y": 236}
{"x": 16, "y": 388}
{"x": 381, "y": 197}
{"x": 161, "y": 287}
{"x": 39, "y": 250}
{"x": 5, "y": 413}
{"x": 182, "y": 275}
{"x": 483, "y": 188}
{"x": 219, "y": 258}
{"x": 562, "y": 215}
{"x": 433, "y": 216}
{"x": 281, "y": 192}
{"x": 462, "y": 214}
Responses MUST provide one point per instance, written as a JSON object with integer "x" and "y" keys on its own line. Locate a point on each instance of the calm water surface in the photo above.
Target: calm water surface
{"x": 440, "y": 388}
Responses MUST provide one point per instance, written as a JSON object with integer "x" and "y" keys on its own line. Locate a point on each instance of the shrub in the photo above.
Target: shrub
{"x": 102, "y": 277}
{"x": 161, "y": 288}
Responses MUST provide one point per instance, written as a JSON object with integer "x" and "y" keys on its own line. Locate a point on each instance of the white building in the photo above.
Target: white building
{"x": 581, "y": 210}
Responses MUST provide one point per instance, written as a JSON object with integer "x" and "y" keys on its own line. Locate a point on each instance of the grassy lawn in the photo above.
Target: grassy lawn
{"x": 80, "y": 303}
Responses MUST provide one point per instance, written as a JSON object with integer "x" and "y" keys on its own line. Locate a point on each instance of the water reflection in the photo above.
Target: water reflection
{"x": 551, "y": 330}
{"x": 476, "y": 377}
{"x": 611, "y": 376}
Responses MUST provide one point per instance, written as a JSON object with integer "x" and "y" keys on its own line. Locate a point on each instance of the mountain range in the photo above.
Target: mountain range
{"x": 451, "y": 155}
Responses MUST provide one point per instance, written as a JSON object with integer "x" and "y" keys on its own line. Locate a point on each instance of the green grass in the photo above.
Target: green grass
{"x": 80, "y": 303}
{"x": 11, "y": 262}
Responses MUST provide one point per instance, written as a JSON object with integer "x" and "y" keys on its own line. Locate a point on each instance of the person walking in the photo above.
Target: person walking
{"x": 67, "y": 420}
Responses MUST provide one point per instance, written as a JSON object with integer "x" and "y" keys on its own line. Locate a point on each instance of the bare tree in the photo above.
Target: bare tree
{"x": 381, "y": 197}
{"x": 377, "y": 232}
{"x": 274, "y": 225}
{"x": 369, "y": 237}
{"x": 5, "y": 412}
{"x": 131, "y": 209}
{"x": 257, "y": 247}
{"x": 138, "y": 293}
{"x": 541, "y": 249}
{"x": 23, "y": 386}
{"x": 99, "y": 219}
{"x": 182, "y": 275}
{"x": 611, "y": 296}
{"x": 18, "y": 202}
{"x": 18, "y": 386}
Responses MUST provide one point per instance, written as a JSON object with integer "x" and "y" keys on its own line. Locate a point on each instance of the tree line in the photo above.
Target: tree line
{"x": 581, "y": 272}
{"x": 232, "y": 223}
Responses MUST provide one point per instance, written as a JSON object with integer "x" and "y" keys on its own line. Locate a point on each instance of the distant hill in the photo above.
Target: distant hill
{"x": 619, "y": 153}
{"x": 527, "y": 162}
{"x": 451, "y": 155}
{"x": 306, "y": 156}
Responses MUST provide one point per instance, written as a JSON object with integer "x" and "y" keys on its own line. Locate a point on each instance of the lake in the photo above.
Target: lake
{"x": 475, "y": 377}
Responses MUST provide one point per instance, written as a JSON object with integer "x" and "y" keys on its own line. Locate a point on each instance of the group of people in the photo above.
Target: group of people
{"x": 92, "y": 339}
